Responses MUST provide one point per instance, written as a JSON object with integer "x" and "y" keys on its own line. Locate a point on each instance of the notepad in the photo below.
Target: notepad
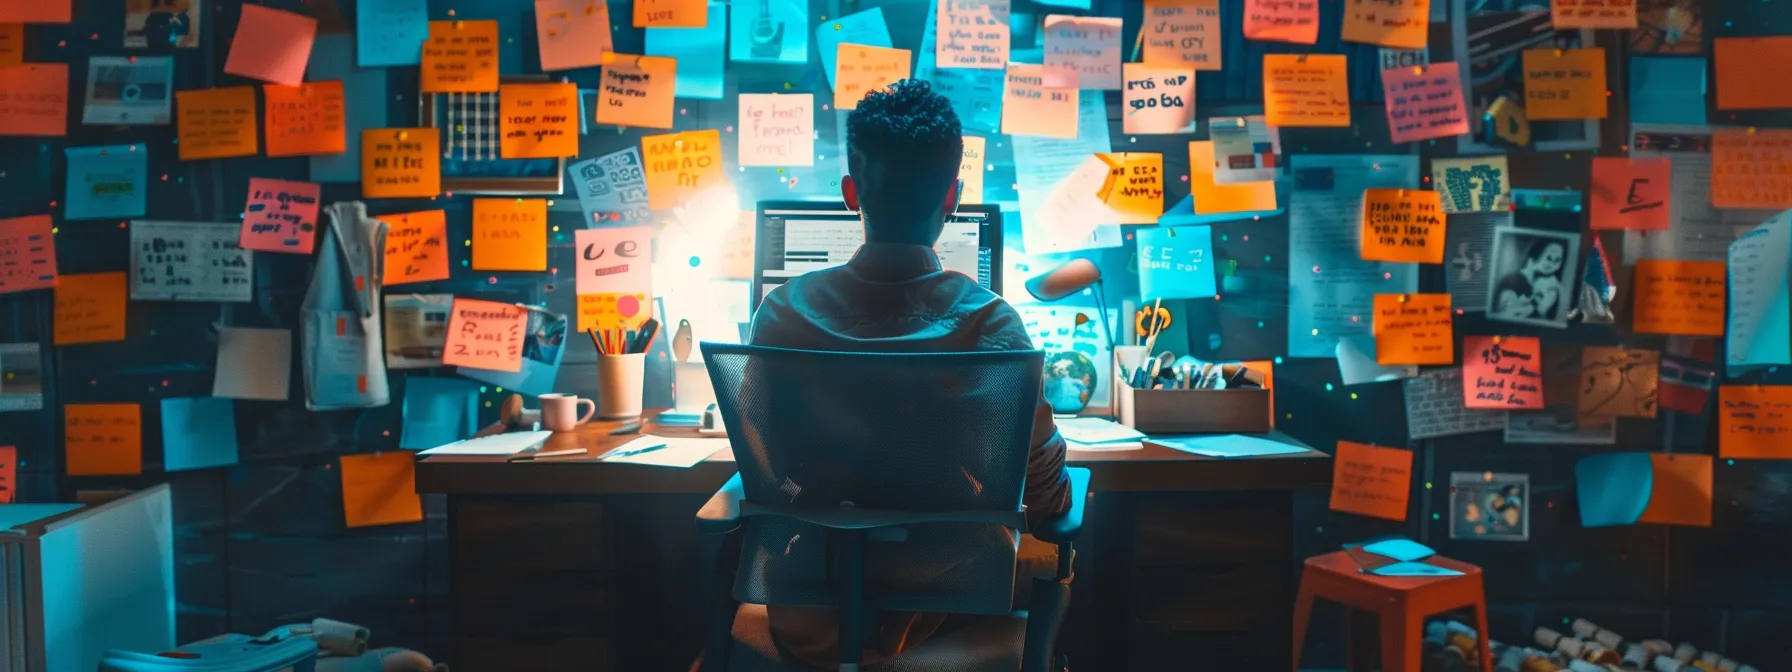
{"x": 496, "y": 444}
{"x": 1227, "y": 445}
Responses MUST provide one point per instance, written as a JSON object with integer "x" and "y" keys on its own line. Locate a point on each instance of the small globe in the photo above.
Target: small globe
{"x": 1069, "y": 381}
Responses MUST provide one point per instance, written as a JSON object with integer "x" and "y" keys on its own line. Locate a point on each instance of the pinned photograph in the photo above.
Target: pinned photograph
{"x": 161, "y": 24}
{"x": 1533, "y": 276}
{"x": 1489, "y": 506}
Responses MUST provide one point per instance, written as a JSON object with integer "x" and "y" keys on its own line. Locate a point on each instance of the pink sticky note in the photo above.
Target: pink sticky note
{"x": 281, "y": 216}
{"x": 271, "y": 45}
{"x": 34, "y": 99}
{"x": 1631, "y": 193}
{"x": 1424, "y": 102}
{"x": 572, "y": 33}
{"x": 614, "y": 260}
{"x": 27, "y": 254}
{"x": 486, "y": 335}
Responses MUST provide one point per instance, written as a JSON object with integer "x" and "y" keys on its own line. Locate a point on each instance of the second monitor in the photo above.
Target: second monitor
{"x": 796, "y": 237}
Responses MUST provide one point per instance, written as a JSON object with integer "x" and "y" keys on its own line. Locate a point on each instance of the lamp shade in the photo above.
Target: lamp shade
{"x": 1068, "y": 278}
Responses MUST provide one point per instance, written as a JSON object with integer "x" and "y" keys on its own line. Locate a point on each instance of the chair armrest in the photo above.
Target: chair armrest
{"x": 721, "y": 514}
{"x": 1064, "y": 527}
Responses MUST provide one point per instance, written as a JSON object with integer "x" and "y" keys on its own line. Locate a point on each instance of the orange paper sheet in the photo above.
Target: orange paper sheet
{"x": 970, "y": 170}
{"x": 1681, "y": 494}
{"x": 538, "y": 121}
{"x": 34, "y": 100}
{"x": 103, "y": 439}
{"x": 1504, "y": 373}
{"x": 461, "y": 57}
{"x": 860, "y": 69}
{"x": 1593, "y": 14}
{"x": 681, "y": 164}
{"x": 510, "y": 234}
{"x": 1397, "y": 24}
{"x": 216, "y": 123}
{"x": 1684, "y": 298}
{"x": 1371, "y": 481}
{"x": 486, "y": 335}
{"x": 90, "y": 307}
{"x": 9, "y": 474}
{"x": 971, "y": 34}
{"x": 1751, "y": 169}
{"x": 281, "y": 216}
{"x": 380, "y": 489}
{"x": 416, "y": 247}
{"x": 1029, "y": 107}
{"x": 401, "y": 162}
{"x": 1751, "y": 72}
{"x": 271, "y": 45}
{"x": 1212, "y": 198}
{"x": 1564, "y": 83}
{"x": 1414, "y": 329}
{"x": 36, "y": 11}
{"x": 671, "y": 14}
{"x": 637, "y": 91}
{"x": 1157, "y": 100}
{"x": 1631, "y": 193}
{"x": 572, "y": 33}
{"x": 12, "y": 44}
{"x": 1754, "y": 422}
{"x": 27, "y": 254}
{"x": 1403, "y": 225}
{"x": 1182, "y": 34}
{"x": 305, "y": 119}
{"x": 1134, "y": 189}
{"x": 1303, "y": 90}
{"x": 1294, "y": 21}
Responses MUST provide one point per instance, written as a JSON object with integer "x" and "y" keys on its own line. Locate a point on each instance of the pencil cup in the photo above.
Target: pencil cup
{"x": 620, "y": 379}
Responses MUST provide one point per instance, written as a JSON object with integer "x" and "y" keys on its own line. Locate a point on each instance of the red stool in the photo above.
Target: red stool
{"x": 1402, "y": 603}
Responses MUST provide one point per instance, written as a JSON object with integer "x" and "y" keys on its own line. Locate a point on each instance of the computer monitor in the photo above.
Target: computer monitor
{"x": 795, "y": 237}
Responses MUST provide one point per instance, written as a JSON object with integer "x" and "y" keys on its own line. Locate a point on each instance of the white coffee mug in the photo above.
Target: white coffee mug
{"x": 560, "y": 412}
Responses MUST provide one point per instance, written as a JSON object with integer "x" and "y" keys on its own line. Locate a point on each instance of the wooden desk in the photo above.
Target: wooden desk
{"x": 571, "y": 563}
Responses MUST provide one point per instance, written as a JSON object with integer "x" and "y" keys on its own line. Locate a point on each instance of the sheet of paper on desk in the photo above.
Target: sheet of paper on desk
{"x": 681, "y": 453}
{"x": 1227, "y": 445}
{"x": 1414, "y": 569}
{"x": 497, "y": 444}
{"x": 1093, "y": 431}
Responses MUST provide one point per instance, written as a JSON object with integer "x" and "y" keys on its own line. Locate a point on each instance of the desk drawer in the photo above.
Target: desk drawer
{"x": 1231, "y": 597}
{"x": 533, "y": 653}
{"x": 529, "y": 534}
{"x": 1212, "y": 528}
{"x": 542, "y": 602}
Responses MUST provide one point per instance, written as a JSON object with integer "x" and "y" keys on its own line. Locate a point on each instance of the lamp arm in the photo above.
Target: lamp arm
{"x": 1101, "y": 309}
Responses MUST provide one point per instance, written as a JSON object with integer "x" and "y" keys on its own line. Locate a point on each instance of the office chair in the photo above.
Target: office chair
{"x": 881, "y": 482}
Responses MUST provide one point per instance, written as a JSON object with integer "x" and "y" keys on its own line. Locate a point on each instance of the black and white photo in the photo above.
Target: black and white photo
{"x": 1533, "y": 278}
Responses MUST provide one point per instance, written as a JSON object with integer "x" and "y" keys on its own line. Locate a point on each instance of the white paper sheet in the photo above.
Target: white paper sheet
{"x": 1357, "y": 365}
{"x": 509, "y": 443}
{"x": 253, "y": 364}
{"x": 680, "y": 453}
{"x": 1094, "y": 431}
{"x": 1434, "y": 407}
{"x": 1760, "y": 268}
{"x": 1058, "y": 181}
{"x": 1324, "y": 233}
{"x": 189, "y": 261}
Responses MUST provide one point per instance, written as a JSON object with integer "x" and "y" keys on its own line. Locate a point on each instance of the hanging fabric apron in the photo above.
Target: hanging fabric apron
{"x": 344, "y": 356}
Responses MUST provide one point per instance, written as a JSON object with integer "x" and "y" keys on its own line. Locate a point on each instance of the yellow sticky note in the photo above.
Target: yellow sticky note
{"x": 1182, "y": 34}
{"x": 216, "y": 123}
{"x": 970, "y": 170}
{"x": 510, "y": 234}
{"x": 1306, "y": 90}
{"x": 671, "y": 14}
{"x": 1403, "y": 225}
{"x": 1212, "y": 198}
{"x": 103, "y": 439}
{"x": 681, "y": 164}
{"x": 1564, "y": 83}
{"x": 1400, "y": 24}
{"x": 305, "y": 119}
{"x": 538, "y": 121}
{"x": 460, "y": 57}
{"x": 90, "y": 307}
{"x": 860, "y": 69}
{"x": 611, "y": 311}
{"x": 401, "y": 162}
{"x": 1029, "y": 107}
{"x": 12, "y": 44}
{"x": 637, "y": 91}
{"x": 1134, "y": 189}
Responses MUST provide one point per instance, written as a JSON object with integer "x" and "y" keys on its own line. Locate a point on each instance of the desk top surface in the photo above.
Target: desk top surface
{"x": 1151, "y": 469}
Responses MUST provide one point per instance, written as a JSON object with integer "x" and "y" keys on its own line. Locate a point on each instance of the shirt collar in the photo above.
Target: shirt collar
{"x": 893, "y": 261}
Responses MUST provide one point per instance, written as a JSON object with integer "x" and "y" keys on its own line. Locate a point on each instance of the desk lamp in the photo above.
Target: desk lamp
{"x": 1069, "y": 278}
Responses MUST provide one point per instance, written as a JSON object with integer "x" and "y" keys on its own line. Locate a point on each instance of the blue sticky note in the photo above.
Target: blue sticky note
{"x": 867, "y": 28}
{"x": 770, "y": 31}
{"x": 391, "y": 32}
{"x": 198, "y": 433}
{"x": 363, "y": 102}
{"x": 107, "y": 182}
{"x": 1176, "y": 263}
{"x": 699, "y": 54}
{"x": 438, "y": 411}
{"x": 1402, "y": 549}
{"x": 1413, "y": 569}
{"x": 1667, "y": 90}
{"x": 1613, "y": 488}
{"x": 1227, "y": 445}
{"x": 1068, "y": 4}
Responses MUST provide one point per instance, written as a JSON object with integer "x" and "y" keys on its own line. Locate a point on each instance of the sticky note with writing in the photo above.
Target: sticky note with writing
{"x": 866, "y": 27}
{"x": 107, "y": 182}
{"x": 1303, "y": 90}
{"x": 27, "y": 254}
{"x": 680, "y": 165}
{"x": 1212, "y": 197}
{"x": 461, "y": 57}
{"x": 1158, "y": 100}
{"x": 486, "y": 335}
{"x": 1424, "y": 102}
{"x": 271, "y": 45}
{"x": 281, "y": 216}
{"x": 12, "y": 44}
{"x": 572, "y": 33}
{"x": 1616, "y": 381}
{"x": 34, "y": 100}
{"x": 1472, "y": 184}
{"x": 615, "y": 260}
{"x": 1402, "y": 225}
{"x": 90, "y": 308}
{"x": 671, "y": 14}
{"x": 1593, "y": 14}
{"x": 216, "y": 123}
{"x": 1371, "y": 481}
{"x": 777, "y": 129}
{"x": 1751, "y": 169}
{"x": 305, "y": 119}
{"x": 1754, "y": 422}
{"x": 972, "y": 34}
{"x": 609, "y": 310}
{"x": 970, "y": 170}
{"x": 380, "y": 489}
{"x": 1685, "y": 298}
{"x": 390, "y": 32}
{"x": 860, "y": 69}
{"x": 1631, "y": 193}
{"x": 1564, "y": 83}
{"x": 1294, "y": 21}
{"x": 637, "y": 91}
{"x": 1400, "y": 24}
{"x": 1176, "y": 263}
{"x": 1029, "y": 107}
{"x": 401, "y": 162}
{"x": 103, "y": 439}
{"x": 1503, "y": 372}
{"x": 1082, "y": 52}
{"x": 510, "y": 234}
{"x": 416, "y": 247}
{"x": 1414, "y": 329}
{"x": 1750, "y": 72}
{"x": 538, "y": 121}
{"x": 1134, "y": 188}
{"x": 1182, "y": 34}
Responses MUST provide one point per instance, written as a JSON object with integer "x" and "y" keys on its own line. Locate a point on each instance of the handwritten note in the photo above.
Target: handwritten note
{"x": 281, "y": 216}
{"x": 1424, "y": 103}
{"x": 970, "y": 171}
{"x": 1029, "y": 107}
{"x": 612, "y": 188}
{"x": 572, "y": 33}
{"x": 27, "y": 254}
{"x": 1751, "y": 169}
{"x": 1472, "y": 184}
{"x": 90, "y": 308}
{"x": 1593, "y": 13}
{"x": 12, "y": 44}
{"x": 860, "y": 69}
{"x": 972, "y": 34}
{"x": 1414, "y": 329}
{"x": 390, "y": 32}
{"x": 510, "y": 234}
{"x": 1564, "y": 83}
{"x": 34, "y": 100}
{"x": 103, "y": 439}
{"x": 401, "y": 162}
{"x": 777, "y": 129}
{"x": 1400, "y": 24}
{"x": 1134, "y": 188}
{"x": 189, "y": 261}
{"x": 1176, "y": 263}
{"x": 305, "y": 119}
{"x": 486, "y": 335}
{"x": 380, "y": 489}
{"x": 216, "y": 123}
{"x": 614, "y": 260}
{"x": 1749, "y": 73}
{"x": 670, "y": 14}
{"x": 1371, "y": 481}
{"x": 864, "y": 27}
{"x": 1754, "y": 422}
{"x": 1306, "y": 90}
{"x": 1502, "y": 372}
{"x": 1082, "y": 52}
{"x": 1294, "y": 21}
{"x": 1619, "y": 382}
{"x": 107, "y": 182}
{"x": 1760, "y": 293}
{"x": 1403, "y": 225}
{"x": 681, "y": 164}
{"x": 1158, "y": 100}
{"x": 637, "y": 91}
{"x": 1182, "y": 34}
{"x": 461, "y": 57}
{"x": 1631, "y": 193}
{"x": 271, "y": 45}
{"x": 416, "y": 247}
{"x": 538, "y": 121}
{"x": 1679, "y": 297}
{"x": 610, "y": 311}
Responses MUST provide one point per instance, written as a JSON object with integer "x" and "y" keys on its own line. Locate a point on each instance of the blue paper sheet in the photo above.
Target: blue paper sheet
{"x": 1760, "y": 288}
{"x": 976, "y": 94}
{"x": 197, "y": 433}
{"x": 1613, "y": 488}
{"x": 363, "y": 102}
{"x": 699, "y": 54}
{"x": 1330, "y": 286}
{"x": 865, "y": 27}
{"x": 391, "y": 32}
{"x": 1069, "y": 4}
{"x": 770, "y": 31}
{"x": 1413, "y": 569}
{"x": 1227, "y": 445}
{"x": 107, "y": 182}
{"x": 1667, "y": 90}
{"x": 1176, "y": 263}
{"x": 438, "y": 411}
{"x": 612, "y": 189}
{"x": 1402, "y": 549}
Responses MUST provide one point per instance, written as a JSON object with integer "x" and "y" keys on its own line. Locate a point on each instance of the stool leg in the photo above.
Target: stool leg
{"x": 1402, "y": 636}
{"x": 1303, "y": 610}
{"x": 1481, "y": 636}
{"x": 1361, "y": 650}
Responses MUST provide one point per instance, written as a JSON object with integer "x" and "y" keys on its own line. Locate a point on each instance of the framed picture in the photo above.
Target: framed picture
{"x": 1489, "y": 38}
{"x": 1533, "y": 276}
{"x": 470, "y": 146}
{"x": 1489, "y": 506}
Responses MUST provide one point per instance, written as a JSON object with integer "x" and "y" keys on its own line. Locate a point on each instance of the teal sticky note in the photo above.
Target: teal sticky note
{"x": 1613, "y": 488}
{"x": 438, "y": 411}
{"x": 867, "y": 28}
{"x": 699, "y": 54}
{"x": 1401, "y": 549}
{"x": 769, "y": 31}
{"x": 363, "y": 103}
{"x": 198, "y": 433}
{"x": 391, "y": 32}
{"x": 107, "y": 182}
{"x": 1176, "y": 263}
{"x": 1667, "y": 90}
{"x": 1414, "y": 569}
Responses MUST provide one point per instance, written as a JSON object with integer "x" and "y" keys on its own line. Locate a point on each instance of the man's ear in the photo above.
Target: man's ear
{"x": 952, "y": 192}
{"x": 849, "y": 191}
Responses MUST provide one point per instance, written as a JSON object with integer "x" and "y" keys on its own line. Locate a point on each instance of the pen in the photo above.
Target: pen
{"x": 629, "y": 427}
{"x": 526, "y": 456}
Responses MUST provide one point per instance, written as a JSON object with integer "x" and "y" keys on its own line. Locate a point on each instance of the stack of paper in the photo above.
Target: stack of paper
{"x": 496, "y": 444}
{"x": 1099, "y": 434}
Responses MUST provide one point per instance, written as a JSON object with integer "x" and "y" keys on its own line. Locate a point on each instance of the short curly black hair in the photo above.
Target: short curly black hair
{"x": 904, "y": 146}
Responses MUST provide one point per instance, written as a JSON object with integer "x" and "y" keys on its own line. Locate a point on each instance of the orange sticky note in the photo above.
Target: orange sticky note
{"x": 305, "y": 119}
{"x": 971, "y": 34}
{"x": 1303, "y": 90}
{"x": 90, "y": 307}
{"x": 1266, "y": 368}
{"x": 281, "y": 216}
{"x": 1424, "y": 103}
{"x": 271, "y": 45}
{"x": 1564, "y": 83}
{"x": 538, "y": 121}
{"x": 36, "y": 11}
{"x": 1754, "y": 422}
{"x": 1593, "y": 14}
{"x": 1504, "y": 373}
{"x": 860, "y": 69}
{"x": 34, "y": 100}
{"x": 9, "y": 473}
{"x": 461, "y": 57}
{"x": 416, "y": 247}
{"x": 637, "y": 91}
{"x": 1681, "y": 493}
{"x": 611, "y": 311}
{"x": 1157, "y": 100}
{"x": 1182, "y": 34}
{"x": 1212, "y": 198}
{"x": 1399, "y": 24}
{"x": 27, "y": 254}
{"x": 1029, "y": 107}
{"x": 380, "y": 489}
{"x": 12, "y": 44}
{"x": 401, "y": 162}
{"x": 1294, "y": 21}
{"x": 970, "y": 170}
{"x": 680, "y": 165}
{"x": 671, "y": 14}
{"x": 1751, "y": 72}
{"x": 510, "y": 234}
{"x": 572, "y": 33}
{"x": 216, "y": 123}
{"x": 1631, "y": 193}
{"x": 1134, "y": 189}
{"x": 1684, "y": 298}
{"x": 103, "y": 439}
{"x": 486, "y": 335}
{"x": 1371, "y": 481}
{"x": 1751, "y": 169}
{"x": 1414, "y": 329}
{"x": 1403, "y": 225}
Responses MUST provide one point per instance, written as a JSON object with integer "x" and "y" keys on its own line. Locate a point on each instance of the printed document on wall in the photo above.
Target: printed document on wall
{"x": 1058, "y": 181}
{"x": 1696, "y": 231}
{"x": 1330, "y": 288}
{"x": 1759, "y": 266}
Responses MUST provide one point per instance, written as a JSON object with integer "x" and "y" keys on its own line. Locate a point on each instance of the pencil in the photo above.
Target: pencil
{"x": 594, "y": 342}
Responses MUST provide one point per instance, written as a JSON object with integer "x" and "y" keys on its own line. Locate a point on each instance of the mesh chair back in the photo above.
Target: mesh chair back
{"x": 895, "y": 432}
